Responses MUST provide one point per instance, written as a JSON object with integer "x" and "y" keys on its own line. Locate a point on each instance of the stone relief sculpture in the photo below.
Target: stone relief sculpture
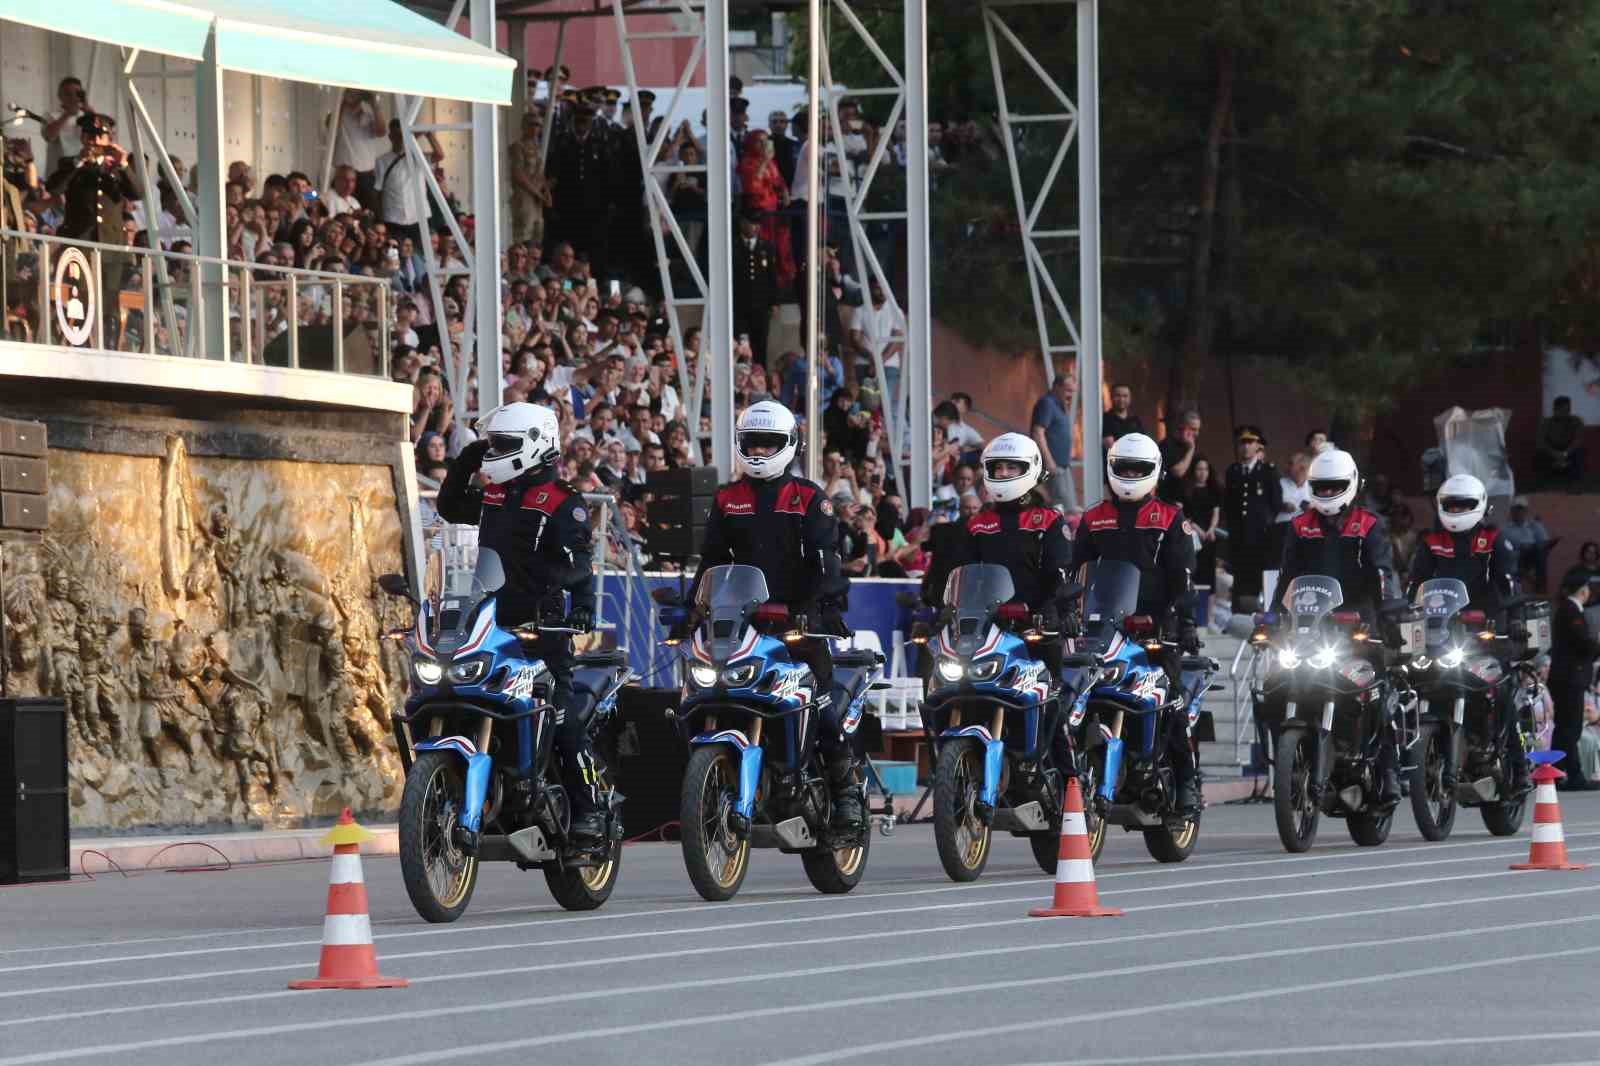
{"x": 214, "y": 628}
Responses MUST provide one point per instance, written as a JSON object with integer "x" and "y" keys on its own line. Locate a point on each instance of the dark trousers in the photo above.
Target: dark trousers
{"x": 572, "y": 742}
{"x": 1568, "y": 699}
{"x": 1249, "y": 560}
{"x": 815, "y": 654}
{"x": 1549, "y": 466}
{"x": 756, "y": 320}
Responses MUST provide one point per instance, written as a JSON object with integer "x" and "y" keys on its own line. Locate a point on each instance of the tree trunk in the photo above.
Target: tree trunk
{"x": 1186, "y": 369}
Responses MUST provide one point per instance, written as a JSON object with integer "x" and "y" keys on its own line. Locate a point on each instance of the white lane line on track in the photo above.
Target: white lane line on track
{"x": 726, "y": 1018}
{"x": 1338, "y": 1049}
{"x": 559, "y": 916}
{"x": 920, "y": 994}
{"x": 723, "y": 927}
{"x": 1234, "y": 927}
{"x": 724, "y": 907}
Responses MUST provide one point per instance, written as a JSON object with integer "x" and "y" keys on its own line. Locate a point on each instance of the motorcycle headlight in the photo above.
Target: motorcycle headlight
{"x": 741, "y": 675}
{"x": 703, "y": 675}
{"x": 1452, "y": 658}
{"x": 949, "y": 669}
{"x": 985, "y": 670}
{"x": 1358, "y": 672}
{"x": 1287, "y": 658}
{"x": 469, "y": 672}
{"x": 1486, "y": 668}
{"x": 1322, "y": 660}
{"x": 428, "y": 672}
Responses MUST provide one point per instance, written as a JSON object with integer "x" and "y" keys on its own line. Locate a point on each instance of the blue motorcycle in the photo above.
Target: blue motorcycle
{"x": 996, "y": 716}
{"x": 476, "y": 740}
{"x": 1121, "y": 711}
{"x": 752, "y": 716}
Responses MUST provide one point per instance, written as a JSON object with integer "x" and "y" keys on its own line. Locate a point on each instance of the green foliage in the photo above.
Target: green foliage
{"x": 1399, "y": 178}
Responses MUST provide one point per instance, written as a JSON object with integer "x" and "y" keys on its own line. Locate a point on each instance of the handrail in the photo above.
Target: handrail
{"x": 256, "y": 296}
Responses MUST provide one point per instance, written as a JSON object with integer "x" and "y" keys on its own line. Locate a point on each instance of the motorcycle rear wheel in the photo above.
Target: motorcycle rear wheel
{"x": 715, "y": 857}
{"x": 1433, "y": 805}
{"x": 962, "y": 839}
{"x": 439, "y": 877}
{"x": 1504, "y": 819}
{"x": 835, "y": 871}
{"x": 585, "y": 888}
{"x": 1166, "y": 845}
{"x": 1370, "y": 830}
{"x": 1296, "y": 812}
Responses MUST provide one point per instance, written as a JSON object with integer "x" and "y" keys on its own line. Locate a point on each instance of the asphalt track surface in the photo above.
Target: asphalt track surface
{"x": 1412, "y": 952}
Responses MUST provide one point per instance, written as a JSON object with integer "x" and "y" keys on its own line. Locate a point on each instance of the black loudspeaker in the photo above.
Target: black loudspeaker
{"x": 679, "y": 510}
{"x": 653, "y": 757}
{"x": 34, "y": 828}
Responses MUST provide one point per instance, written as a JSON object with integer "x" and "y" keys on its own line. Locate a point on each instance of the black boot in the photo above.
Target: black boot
{"x": 845, "y": 796}
{"x": 588, "y": 831}
{"x": 1189, "y": 803}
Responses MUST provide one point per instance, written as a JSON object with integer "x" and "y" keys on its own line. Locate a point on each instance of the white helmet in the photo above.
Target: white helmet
{"x": 522, "y": 437}
{"x": 1011, "y": 448}
{"x": 1133, "y": 466}
{"x": 1461, "y": 502}
{"x": 767, "y": 424}
{"x": 1333, "y": 479}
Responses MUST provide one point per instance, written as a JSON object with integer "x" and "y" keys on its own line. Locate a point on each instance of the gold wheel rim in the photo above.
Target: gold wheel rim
{"x": 716, "y": 802}
{"x": 449, "y": 872}
{"x": 1185, "y": 838}
{"x": 972, "y": 836}
{"x": 595, "y": 878}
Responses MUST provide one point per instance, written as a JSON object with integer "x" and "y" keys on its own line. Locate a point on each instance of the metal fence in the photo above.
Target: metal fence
{"x": 122, "y": 298}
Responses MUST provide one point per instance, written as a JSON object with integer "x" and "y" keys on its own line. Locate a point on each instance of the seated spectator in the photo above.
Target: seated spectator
{"x": 1528, "y": 538}
{"x": 845, "y": 425}
{"x": 431, "y": 449}
{"x": 838, "y": 477}
{"x": 1588, "y": 565}
{"x": 970, "y": 505}
{"x": 1559, "y": 456}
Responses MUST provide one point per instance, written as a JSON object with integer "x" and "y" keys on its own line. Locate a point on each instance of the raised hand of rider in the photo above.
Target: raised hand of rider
{"x": 1189, "y": 640}
{"x": 471, "y": 457}
{"x": 581, "y": 618}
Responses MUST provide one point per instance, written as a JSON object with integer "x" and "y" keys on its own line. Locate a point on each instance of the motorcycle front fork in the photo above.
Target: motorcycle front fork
{"x": 1321, "y": 754}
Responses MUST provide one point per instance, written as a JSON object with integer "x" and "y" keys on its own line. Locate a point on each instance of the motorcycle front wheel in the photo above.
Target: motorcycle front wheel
{"x": 584, "y": 888}
{"x": 837, "y": 870}
{"x": 1369, "y": 830}
{"x": 439, "y": 877}
{"x": 715, "y": 856}
{"x": 1292, "y": 803}
{"x": 962, "y": 838}
{"x": 1168, "y": 845}
{"x": 1504, "y": 819}
{"x": 1433, "y": 804}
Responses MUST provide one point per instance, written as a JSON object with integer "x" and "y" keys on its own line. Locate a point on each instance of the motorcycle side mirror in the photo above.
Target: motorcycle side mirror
{"x": 1138, "y": 625}
{"x": 396, "y": 585}
{"x": 1070, "y": 591}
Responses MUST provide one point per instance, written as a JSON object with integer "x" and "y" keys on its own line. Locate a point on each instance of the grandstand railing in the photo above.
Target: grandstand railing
{"x": 159, "y": 302}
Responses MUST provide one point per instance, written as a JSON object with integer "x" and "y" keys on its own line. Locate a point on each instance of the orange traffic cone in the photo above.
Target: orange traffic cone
{"x": 1075, "y": 892}
{"x": 1549, "y": 848}
{"x": 347, "y": 957}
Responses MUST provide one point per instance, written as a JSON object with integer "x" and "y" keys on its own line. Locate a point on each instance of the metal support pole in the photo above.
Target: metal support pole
{"x": 1090, "y": 375}
{"x": 485, "y": 250}
{"x": 517, "y": 49}
{"x": 333, "y": 140}
{"x": 813, "y": 242}
{"x": 717, "y": 341}
{"x": 555, "y": 94}
{"x": 917, "y": 359}
{"x": 211, "y": 237}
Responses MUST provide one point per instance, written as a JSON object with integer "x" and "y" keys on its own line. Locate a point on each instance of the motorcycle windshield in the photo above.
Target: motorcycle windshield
{"x": 972, "y": 594}
{"x": 1441, "y": 599}
{"x": 1310, "y": 598}
{"x": 728, "y": 596}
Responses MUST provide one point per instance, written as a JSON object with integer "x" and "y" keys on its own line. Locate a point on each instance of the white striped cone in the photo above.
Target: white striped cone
{"x": 1075, "y": 894}
{"x": 1548, "y": 851}
{"x": 348, "y": 960}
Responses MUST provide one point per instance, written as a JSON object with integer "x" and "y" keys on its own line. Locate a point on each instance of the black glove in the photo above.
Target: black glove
{"x": 471, "y": 457}
{"x": 1189, "y": 640}
{"x": 833, "y": 622}
{"x": 581, "y": 618}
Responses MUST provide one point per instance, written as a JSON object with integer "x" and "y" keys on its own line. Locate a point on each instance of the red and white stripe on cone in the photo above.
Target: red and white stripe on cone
{"x": 348, "y": 960}
{"x": 1549, "y": 848}
{"x": 1075, "y": 894}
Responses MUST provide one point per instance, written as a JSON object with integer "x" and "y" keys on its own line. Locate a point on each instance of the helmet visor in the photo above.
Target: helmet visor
{"x": 1329, "y": 488}
{"x": 1004, "y": 469}
{"x": 762, "y": 443}
{"x": 1132, "y": 469}
{"x": 1459, "y": 504}
{"x": 501, "y": 444}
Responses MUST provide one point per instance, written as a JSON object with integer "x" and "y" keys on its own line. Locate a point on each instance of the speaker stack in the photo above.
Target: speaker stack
{"x": 679, "y": 509}
{"x": 24, "y": 476}
{"x": 33, "y": 792}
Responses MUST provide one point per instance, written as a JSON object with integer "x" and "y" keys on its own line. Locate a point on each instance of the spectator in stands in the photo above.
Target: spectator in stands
{"x": 1588, "y": 564}
{"x": 1560, "y": 450}
{"x": 1403, "y": 535}
{"x": 1119, "y": 420}
{"x": 432, "y": 409}
{"x": 1531, "y": 542}
{"x": 880, "y": 330}
{"x": 341, "y": 199}
{"x": 431, "y": 450}
{"x": 396, "y": 176}
{"x": 1317, "y": 441}
{"x": 971, "y": 504}
{"x": 1051, "y": 429}
{"x": 1202, "y": 505}
{"x": 358, "y": 140}
{"x": 785, "y": 149}
{"x": 1177, "y": 453}
{"x": 530, "y": 192}
{"x": 757, "y": 279}
{"x": 61, "y": 131}
{"x": 765, "y": 194}
{"x": 947, "y": 417}
{"x": 845, "y": 425}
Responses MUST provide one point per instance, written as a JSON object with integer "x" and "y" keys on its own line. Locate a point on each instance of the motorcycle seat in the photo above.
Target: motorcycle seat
{"x": 856, "y": 658}
{"x": 600, "y": 658}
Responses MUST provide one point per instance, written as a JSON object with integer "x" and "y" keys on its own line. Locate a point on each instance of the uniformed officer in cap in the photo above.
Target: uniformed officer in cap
{"x": 95, "y": 185}
{"x": 581, "y": 159}
{"x": 1250, "y": 507}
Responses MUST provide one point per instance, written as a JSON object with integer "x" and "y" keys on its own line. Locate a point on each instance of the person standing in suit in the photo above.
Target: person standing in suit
{"x": 1250, "y": 505}
{"x": 755, "y": 285}
{"x": 1572, "y": 655}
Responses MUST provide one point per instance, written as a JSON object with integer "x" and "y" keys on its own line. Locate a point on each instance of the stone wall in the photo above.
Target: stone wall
{"x": 212, "y": 619}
